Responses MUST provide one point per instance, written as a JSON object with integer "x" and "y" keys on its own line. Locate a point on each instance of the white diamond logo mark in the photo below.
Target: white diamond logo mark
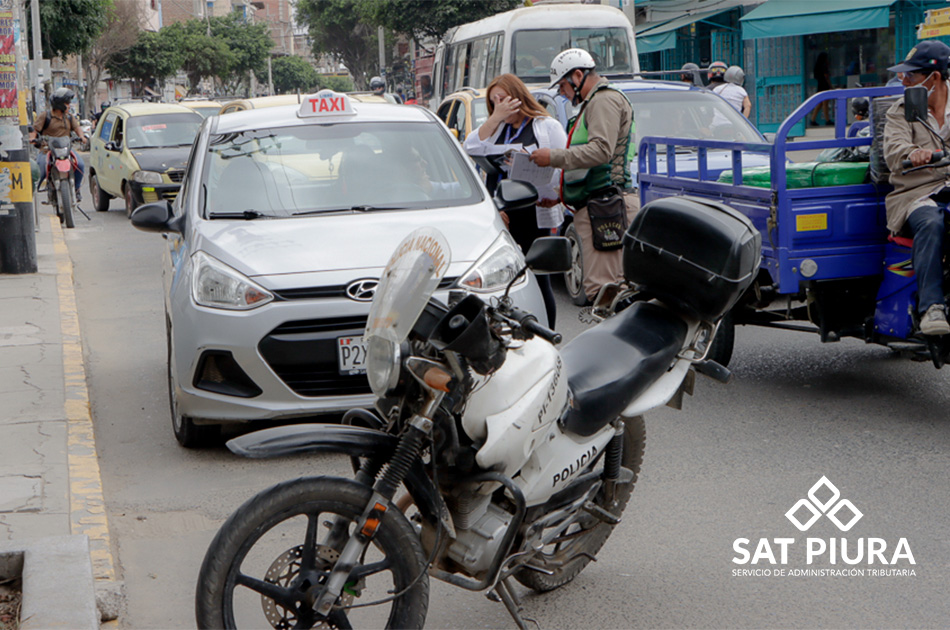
{"x": 817, "y": 507}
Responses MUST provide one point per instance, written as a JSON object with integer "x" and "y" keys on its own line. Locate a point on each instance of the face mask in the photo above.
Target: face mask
{"x": 930, "y": 90}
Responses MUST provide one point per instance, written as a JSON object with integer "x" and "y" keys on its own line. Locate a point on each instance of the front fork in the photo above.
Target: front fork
{"x": 407, "y": 452}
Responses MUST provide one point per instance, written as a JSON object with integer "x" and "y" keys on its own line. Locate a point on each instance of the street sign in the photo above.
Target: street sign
{"x": 936, "y": 24}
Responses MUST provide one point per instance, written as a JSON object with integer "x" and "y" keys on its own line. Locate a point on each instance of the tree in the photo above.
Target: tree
{"x": 123, "y": 24}
{"x": 433, "y": 17}
{"x": 291, "y": 73}
{"x": 69, "y": 27}
{"x": 250, "y": 45}
{"x": 337, "y": 84}
{"x": 152, "y": 58}
{"x": 201, "y": 56}
{"x": 340, "y": 28}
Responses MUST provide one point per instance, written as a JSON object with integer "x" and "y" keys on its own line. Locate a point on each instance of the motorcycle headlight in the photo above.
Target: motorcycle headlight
{"x": 216, "y": 285}
{"x": 147, "y": 177}
{"x": 500, "y": 263}
{"x": 382, "y": 365}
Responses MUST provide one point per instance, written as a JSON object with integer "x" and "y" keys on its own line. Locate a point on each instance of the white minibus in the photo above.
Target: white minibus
{"x": 524, "y": 41}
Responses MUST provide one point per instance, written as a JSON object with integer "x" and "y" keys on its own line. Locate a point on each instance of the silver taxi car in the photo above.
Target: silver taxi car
{"x": 285, "y": 220}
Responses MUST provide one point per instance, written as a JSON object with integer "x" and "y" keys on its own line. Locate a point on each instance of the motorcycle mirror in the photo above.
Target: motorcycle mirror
{"x": 512, "y": 195}
{"x": 915, "y": 104}
{"x": 549, "y": 254}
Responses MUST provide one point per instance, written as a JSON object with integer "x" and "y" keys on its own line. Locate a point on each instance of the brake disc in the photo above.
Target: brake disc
{"x": 282, "y": 572}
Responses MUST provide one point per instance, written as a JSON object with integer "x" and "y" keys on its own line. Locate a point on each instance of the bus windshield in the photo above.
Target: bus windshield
{"x": 532, "y": 51}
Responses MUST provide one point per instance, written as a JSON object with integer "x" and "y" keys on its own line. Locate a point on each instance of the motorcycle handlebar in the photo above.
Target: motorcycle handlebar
{"x": 529, "y": 323}
{"x": 936, "y": 157}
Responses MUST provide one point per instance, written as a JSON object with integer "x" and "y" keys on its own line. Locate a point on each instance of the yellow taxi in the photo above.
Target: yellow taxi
{"x": 463, "y": 111}
{"x": 204, "y": 107}
{"x": 138, "y": 151}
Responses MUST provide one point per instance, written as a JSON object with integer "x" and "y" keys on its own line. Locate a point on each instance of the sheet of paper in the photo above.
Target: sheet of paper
{"x": 524, "y": 170}
{"x": 494, "y": 149}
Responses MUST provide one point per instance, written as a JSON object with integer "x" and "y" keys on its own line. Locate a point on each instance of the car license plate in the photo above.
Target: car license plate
{"x": 351, "y": 355}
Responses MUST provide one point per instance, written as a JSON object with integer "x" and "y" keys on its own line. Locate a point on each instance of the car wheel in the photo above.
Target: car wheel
{"x": 188, "y": 434}
{"x": 100, "y": 200}
{"x": 574, "y": 278}
{"x": 129, "y": 201}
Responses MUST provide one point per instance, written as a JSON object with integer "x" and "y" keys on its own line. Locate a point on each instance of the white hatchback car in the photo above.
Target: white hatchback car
{"x": 285, "y": 220}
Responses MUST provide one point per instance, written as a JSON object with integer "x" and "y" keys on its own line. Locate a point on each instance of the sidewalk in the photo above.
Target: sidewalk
{"x": 49, "y": 471}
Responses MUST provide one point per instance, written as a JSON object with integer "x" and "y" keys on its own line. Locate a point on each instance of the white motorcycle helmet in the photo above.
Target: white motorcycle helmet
{"x": 566, "y": 62}
{"x": 735, "y": 74}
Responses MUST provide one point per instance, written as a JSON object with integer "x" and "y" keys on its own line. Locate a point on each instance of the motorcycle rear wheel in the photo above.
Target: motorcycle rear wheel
{"x": 260, "y": 535}
{"x": 66, "y": 203}
{"x": 567, "y": 559}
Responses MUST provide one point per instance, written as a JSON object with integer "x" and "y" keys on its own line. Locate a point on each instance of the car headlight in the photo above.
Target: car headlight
{"x": 216, "y": 285}
{"x": 382, "y": 365}
{"x": 500, "y": 263}
{"x": 147, "y": 177}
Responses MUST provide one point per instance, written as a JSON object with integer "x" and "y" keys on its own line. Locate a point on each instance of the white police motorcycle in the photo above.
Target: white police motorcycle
{"x": 517, "y": 459}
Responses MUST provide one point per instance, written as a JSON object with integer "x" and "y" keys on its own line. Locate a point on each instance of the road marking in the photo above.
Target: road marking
{"x": 87, "y": 509}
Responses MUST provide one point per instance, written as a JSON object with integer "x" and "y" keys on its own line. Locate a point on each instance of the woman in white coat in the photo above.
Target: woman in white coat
{"x": 516, "y": 118}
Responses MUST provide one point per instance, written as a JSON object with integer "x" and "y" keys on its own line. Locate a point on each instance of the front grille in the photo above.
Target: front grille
{"x": 303, "y": 354}
{"x": 176, "y": 176}
{"x": 169, "y": 195}
{"x": 335, "y": 291}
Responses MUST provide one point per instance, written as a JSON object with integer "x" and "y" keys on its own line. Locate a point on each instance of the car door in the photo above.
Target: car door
{"x": 448, "y": 112}
{"x": 105, "y": 160}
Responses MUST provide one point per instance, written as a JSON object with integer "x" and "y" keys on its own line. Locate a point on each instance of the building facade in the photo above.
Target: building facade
{"x": 778, "y": 43}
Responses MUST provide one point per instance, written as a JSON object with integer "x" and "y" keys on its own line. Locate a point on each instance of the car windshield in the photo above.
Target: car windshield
{"x": 688, "y": 114}
{"x": 204, "y": 112}
{"x": 533, "y": 51}
{"x": 313, "y": 169}
{"x": 162, "y": 130}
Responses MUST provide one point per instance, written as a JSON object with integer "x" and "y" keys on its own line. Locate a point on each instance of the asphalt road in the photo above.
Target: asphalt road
{"x": 728, "y": 466}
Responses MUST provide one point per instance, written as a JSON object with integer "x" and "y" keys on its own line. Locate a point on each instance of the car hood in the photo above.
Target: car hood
{"x": 161, "y": 159}
{"x": 320, "y": 244}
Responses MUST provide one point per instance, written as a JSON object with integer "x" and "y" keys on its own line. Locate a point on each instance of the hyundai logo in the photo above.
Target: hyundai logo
{"x": 362, "y": 290}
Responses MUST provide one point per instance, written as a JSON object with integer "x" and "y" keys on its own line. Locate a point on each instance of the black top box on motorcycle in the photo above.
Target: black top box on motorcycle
{"x": 694, "y": 254}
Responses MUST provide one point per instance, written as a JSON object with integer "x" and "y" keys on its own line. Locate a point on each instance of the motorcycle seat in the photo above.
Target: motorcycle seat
{"x": 612, "y": 363}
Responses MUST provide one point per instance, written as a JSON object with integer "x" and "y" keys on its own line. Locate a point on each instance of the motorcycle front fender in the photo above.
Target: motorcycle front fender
{"x": 354, "y": 441}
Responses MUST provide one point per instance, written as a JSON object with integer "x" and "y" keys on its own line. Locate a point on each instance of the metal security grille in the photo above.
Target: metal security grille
{"x": 776, "y": 64}
{"x": 907, "y": 15}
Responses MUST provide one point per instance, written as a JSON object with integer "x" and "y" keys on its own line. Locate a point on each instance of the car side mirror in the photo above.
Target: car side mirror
{"x": 549, "y": 254}
{"x": 156, "y": 217}
{"x": 455, "y": 133}
{"x": 915, "y": 104}
{"x": 514, "y": 195}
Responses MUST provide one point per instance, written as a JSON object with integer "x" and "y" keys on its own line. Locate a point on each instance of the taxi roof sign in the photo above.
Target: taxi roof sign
{"x": 325, "y": 103}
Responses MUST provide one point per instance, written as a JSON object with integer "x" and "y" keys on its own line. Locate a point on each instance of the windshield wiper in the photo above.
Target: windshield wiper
{"x": 350, "y": 209}
{"x": 247, "y": 215}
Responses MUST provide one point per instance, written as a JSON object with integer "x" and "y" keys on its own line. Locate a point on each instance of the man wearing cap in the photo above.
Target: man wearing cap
{"x": 597, "y": 155}
{"x": 909, "y": 207}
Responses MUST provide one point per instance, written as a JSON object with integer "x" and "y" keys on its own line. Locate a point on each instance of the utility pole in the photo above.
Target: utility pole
{"x": 37, "y": 56}
{"x": 17, "y": 238}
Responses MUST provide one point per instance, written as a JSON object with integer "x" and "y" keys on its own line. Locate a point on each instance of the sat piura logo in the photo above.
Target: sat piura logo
{"x": 813, "y": 556}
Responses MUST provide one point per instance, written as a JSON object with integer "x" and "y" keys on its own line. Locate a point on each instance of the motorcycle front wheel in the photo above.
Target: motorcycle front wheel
{"x": 66, "y": 203}
{"x": 266, "y": 564}
{"x": 573, "y": 550}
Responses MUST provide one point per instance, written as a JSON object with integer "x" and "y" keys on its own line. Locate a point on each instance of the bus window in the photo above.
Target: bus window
{"x": 533, "y": 50}
{"x": 495, "y": 45}
{"x": 478, "y": 62}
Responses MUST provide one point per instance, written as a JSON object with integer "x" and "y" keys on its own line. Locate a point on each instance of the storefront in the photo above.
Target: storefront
{"x": 778, "y": 43}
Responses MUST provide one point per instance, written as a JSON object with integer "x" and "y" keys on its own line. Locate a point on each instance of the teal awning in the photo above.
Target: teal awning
{"x": 782, "y": 18}
{"x": 656, "y": 43}
{"x": 657, "y": 36}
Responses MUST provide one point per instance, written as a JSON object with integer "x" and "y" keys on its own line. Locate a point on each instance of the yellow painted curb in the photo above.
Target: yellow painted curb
{"x": 87, "y": 509}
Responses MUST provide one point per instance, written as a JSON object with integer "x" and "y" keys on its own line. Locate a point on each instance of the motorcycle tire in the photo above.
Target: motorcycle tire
{"x": 566, "y": 561}
{"x": 66, "y": 203}
{"x": 724, "y": 341}
{"x": 314, "y": 502}
{"x": 574, "y": 279}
